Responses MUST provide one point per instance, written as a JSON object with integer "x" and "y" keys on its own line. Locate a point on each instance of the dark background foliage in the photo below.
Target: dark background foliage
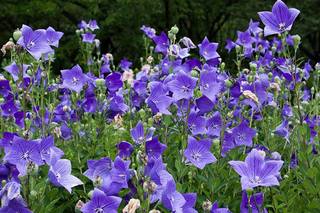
{"x": 120, "y": 22}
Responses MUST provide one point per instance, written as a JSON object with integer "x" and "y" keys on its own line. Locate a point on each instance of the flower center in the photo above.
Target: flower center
{"x": 282, "y": 26}
{"x": 185, "y": 89}
{"x": 26, "y": 155}
{"x": 256, "y": 179}
{"x": 30, "y": 45}
{"x": 75, "y": 80}
{"x": 196, "y": 156}
{"x": 98, "y": 210}
{"x": 240, "y": 136}
{"x": 58, "y": 176}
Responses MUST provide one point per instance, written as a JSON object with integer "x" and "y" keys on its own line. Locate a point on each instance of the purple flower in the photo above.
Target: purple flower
{"x": 47, "y": 148}
{"x": 137, "y": 133}
{"x": 101, "y": 203}
{"x": 208, "y": 50}
{"x": 60, "y": 175}
{"x": 158, "y": 100}
{"x": 230, "y": 45}
{"x": 256, "y": 171}
{"x": 198, "y": 152}
{"x": 148, "y": 31}
{"x": 162, "y": 43}
{"x": 8, "y": 108}
{"x": 209, "y": 85}
{"x": 254, "y": 27}
{"x": 253, "y": 204}
{"x": 283, "y": 130}
{"x": 214, "y": 124}
{"x": 154, "y": 149}
{"x": 98, "y": 169}
{"x": 74, "y": 79}
{"x": 92, "y": 25}
{"x": 125, "y": 64}
{"x": 172, "y": 199}
{"x": 243, "y": 134}
{"x": 24, "y": 153}
{"x": 53, "y": 37}
{"x": 124, "y": 149}
{"x": 34, "y": 42}
{"x": 182, "y": 86}
{"x": 15, "y": 205}
{"x": 88, "y": 37}
{"x": 5, "y": 88}
{"x": 279, "y": 20}
{"x": 197, "y": 124}
{"x": 244, "y": 39}
{"x": 215, "y": 209}
{"x": 114, "y": 82}
{"x": 14, "y": 70}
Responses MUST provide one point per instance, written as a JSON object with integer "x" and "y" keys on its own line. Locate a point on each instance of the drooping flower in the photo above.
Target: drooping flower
{"x": 14, "y": 70}
{"x": 279, "y": 20}
{"x": 198, "y": 152}
{"x": 60, "y": 174}
{"x": 23, "y": 154}
{"x": 208, "y": 49}
{"x": 34, "y": 42}
{"x": 74, "y": 79}
{"x": 162, "y": 43}
{"x": 148, "y": 31}
{"x": 256, "y": 171}
{"x": 124, "y": 149}
{"x": 114, "y": 82}
{"x": 283, "y": 130}
{"x": 101, "y": 203}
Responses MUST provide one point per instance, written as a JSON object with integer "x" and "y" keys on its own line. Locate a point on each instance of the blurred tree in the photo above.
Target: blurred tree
{"x": 120, "y": 22}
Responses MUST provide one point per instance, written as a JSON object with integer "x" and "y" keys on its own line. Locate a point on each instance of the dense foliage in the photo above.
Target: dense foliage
{"x": 182, "y": 130}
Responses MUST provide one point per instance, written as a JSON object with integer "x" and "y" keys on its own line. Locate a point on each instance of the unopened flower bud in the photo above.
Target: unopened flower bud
{"x": 253, "y": 66}
{"x": 222, "y": 65}
{"x": 78, "y": 206}
{"x": 275, "y": 156}
{"x": 317, "y": 66}
{"x": 228, "y": 83}
{"x": 154, "y": 211}
{"x": 296, "y": 41}
{"x": 132, "y": 206}
{"x": 207, "y": 206}
{"x": 16, "y": 34}
{"x": 174, "y": 29}
{"x": 100, "y": 82}
{"x": 194, "y": 73}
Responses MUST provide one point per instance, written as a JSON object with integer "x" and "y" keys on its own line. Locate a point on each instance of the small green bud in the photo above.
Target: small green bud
{"x": 90, "y": 194}
{"x": 250, "y": 78}
{"x": 194, "y": 73}
{"x": 238, "y": 49}
{"x": 16, "y": 34}
{"x": 273, "y": 49}
{"x": 296, "y": 41}
{"x": 317, "y": 66}
{"x": 33, "y": 194}
{"x": 174, "y": 30}
{"x": 253, "y": 66}
{"x": 100, "y": 82}
{"x": 228, "y": 83}
{"x": 142, "y": 113}
{"x": 222, "y": 65}
{"x": 270, "y": 75}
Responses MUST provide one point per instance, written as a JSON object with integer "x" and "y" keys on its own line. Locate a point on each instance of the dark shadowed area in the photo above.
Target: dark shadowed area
{"x": 120, "y": 22}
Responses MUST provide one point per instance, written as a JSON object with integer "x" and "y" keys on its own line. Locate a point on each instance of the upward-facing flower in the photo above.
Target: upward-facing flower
{"x": 198, "y": 152}
{"x": 256, "y": 171}
{"x": 74, "y": 79}
{"x": 279, "y": 20}
{"x": 158, "y": 100}
{"x": 53, "y": 37}
{"x": 208, "y": 49}
{"x": 24, "y": 153}
{"x": 137, "y": 133}
{"x": 88, "y": 37}
{"x": 60, "y": 175}
{"x": 101, "y": 203}
{"x": 252, "y": 204}
{"x": 182, "y": 86}
{"x": 34, "y": 42}
{"x": 243, "y": 134}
